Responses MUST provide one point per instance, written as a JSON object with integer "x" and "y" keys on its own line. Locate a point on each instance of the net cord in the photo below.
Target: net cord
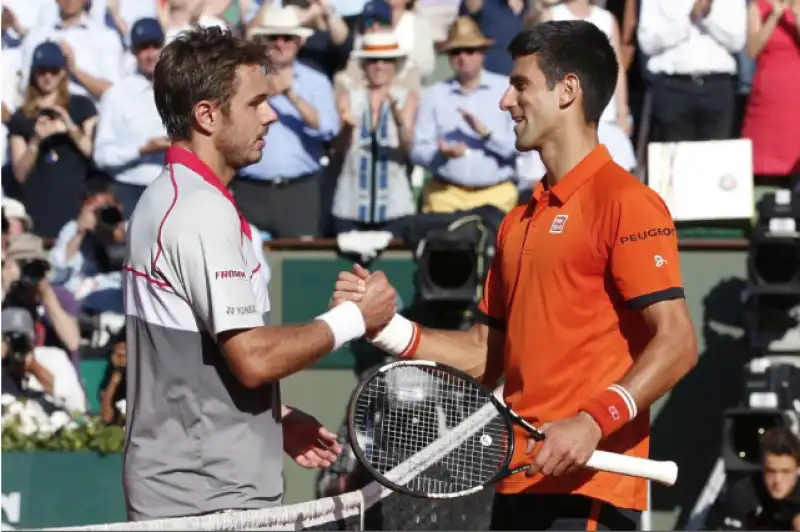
{"x": 317, "y": 512}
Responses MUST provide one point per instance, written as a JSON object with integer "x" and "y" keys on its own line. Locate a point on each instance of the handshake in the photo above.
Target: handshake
{"x": 371, "y": 292}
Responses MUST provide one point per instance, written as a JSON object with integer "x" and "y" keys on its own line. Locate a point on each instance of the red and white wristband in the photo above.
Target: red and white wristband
{"x": 612, "y": 408}
{"x": 400, "y": 337}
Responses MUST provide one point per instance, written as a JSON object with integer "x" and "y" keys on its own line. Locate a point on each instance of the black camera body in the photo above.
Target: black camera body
{"x": 19, "y": 345}
{"x": 32, "y": 272}
{"x": 109, "y": 217}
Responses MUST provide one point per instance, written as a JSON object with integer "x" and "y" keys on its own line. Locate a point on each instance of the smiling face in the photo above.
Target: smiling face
{"x": 379, "y": 72}
{"x": 535, "y": 107}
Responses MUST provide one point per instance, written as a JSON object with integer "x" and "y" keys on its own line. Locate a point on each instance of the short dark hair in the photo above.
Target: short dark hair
{"x": 573, "y": 47}
{"x": 96, "y": 186}
{"x": 199, "y": 65}
{"x": 780, "y": 441}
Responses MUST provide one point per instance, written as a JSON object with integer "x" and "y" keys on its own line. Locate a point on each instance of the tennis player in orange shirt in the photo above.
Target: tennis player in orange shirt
{"x": 583, "y": 311}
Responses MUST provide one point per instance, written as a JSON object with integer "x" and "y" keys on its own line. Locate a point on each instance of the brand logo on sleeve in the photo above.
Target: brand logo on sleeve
{"x": 558, "y": 224}
{"x": 649, "y": 233}
{"x": 660, "y": 261}
{"x": 230, "y": 274}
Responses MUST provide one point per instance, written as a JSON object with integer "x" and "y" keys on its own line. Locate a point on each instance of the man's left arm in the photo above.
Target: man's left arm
{"x": 306, "y": 440}
{"x": 644, "y": 263}
{"x": 727, "y": 24}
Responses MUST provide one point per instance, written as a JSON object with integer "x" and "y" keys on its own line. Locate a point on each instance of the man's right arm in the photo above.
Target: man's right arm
{"x": 477, "y": 351}
{"x": 261, "y": 355}
{"x": 214, "y": 277}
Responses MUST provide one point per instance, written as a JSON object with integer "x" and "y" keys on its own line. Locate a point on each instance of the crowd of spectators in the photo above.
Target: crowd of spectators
{"x": 387, "y": 109}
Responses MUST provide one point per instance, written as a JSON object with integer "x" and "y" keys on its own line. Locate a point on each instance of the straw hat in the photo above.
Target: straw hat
{"x": 280, "y": 21}
{"x": 464, "y": 33}
{"x": 379, "y": 45}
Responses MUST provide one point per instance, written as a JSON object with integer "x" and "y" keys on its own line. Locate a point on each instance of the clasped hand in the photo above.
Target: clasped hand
{"x": 375, "y": 297}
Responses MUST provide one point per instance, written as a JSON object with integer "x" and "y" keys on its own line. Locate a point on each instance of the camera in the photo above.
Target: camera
{"x": 109, "y": 217}
{"x": 19, "y": 345}
{"x": 31, "y": 272}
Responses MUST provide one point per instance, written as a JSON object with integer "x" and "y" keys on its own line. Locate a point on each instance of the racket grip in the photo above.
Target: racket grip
{"x": 665, "y": 473}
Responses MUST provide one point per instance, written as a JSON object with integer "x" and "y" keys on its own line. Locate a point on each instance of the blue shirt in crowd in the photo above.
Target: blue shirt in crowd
{"x": 487, "y": 162}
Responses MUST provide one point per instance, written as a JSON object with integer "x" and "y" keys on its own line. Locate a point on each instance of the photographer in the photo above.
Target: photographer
{"x": 54, "y": 309}
{"x": 770, "y": 499}
{"x": 44, "y": 374}
{"x": 88, "y": 255}
{"x": 112, "y": 389}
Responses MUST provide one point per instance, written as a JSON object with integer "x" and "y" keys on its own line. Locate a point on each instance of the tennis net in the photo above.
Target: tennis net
{"x": 364, "y": 509}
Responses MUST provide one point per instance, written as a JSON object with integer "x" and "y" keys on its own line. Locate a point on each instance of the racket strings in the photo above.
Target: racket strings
{"x": 406, "y": 411}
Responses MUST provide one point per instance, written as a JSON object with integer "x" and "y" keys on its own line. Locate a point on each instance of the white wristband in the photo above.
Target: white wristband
{"x": 346, "y": 323}
{"x": 397, "y": 337}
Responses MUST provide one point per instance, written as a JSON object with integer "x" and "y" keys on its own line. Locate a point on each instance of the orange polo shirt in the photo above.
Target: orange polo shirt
{"x": 571, "y": 270}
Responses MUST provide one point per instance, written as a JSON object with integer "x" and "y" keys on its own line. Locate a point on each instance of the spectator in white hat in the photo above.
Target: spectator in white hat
{"x": 330, "y": 42}
{"x": 280, "y": 194}
{"x": 18, "y": 220}
{"x": 177, "y": 16}
{"x": 373, "y": 190}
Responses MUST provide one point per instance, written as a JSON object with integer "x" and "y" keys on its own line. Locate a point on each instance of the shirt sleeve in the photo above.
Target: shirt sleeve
{"x": 727, "y": 25}
{"x": 663, "y": 24}
{"x": 644, "y": 258}
{"x": 207, "y": 255}
{"x": 492, "y": 308}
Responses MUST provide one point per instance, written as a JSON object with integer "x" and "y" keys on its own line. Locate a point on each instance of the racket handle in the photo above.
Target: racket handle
{"x": 665, "y": 473}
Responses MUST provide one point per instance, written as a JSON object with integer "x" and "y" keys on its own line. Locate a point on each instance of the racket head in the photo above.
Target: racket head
{"x": 395, "y": 419}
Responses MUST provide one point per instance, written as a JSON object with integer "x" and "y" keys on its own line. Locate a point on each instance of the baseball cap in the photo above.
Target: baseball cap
{"x": 146, "y": 30}
{"x": 25, "y": 247}
{"x": 18, "y": 320}
{"x": 48, "y": 55}
{"x": 376, "y": 12}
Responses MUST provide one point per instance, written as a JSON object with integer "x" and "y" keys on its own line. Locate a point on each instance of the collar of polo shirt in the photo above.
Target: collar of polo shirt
{"x": 184, "y": 157}
{"x": 576, "y": 177}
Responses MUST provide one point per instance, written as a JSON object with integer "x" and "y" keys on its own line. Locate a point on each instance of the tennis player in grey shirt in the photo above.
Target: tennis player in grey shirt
{"x": 206, "y": 430}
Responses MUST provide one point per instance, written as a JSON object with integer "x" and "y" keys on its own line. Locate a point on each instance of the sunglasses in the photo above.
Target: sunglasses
{"x": 53, "y": 71}
{"x": 458, "y": 51}
{"x": 373, "y": 60}
{"x": 284, "y": 38}
{"x": 147, "y": 46}
{"x": 368, "y": 22}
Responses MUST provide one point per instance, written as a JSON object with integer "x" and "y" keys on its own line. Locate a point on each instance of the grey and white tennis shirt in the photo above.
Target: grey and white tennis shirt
{"x": 197, "y": 441}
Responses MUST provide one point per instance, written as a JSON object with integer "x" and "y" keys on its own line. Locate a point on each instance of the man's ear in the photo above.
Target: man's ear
{"x": 570, "y": 89}
{"x": 206, "y": 116}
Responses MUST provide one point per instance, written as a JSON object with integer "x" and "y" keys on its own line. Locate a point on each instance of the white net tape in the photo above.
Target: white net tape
{"x": 317, "y": 512}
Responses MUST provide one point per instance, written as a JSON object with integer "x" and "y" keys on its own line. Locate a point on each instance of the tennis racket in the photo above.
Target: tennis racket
{"x": 428, "y": 430}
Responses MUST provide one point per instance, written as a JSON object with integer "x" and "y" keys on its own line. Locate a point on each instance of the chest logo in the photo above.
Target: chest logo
{"x": 557, "y": 227}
